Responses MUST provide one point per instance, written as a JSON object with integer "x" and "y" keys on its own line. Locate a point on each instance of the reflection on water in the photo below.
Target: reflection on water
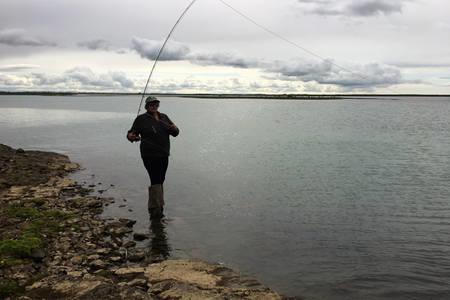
{"x": 159, "y": 245}
{"x": 31, "y": 117}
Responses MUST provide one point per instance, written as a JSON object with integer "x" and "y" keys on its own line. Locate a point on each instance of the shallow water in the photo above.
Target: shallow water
{"x": 332, "y": 199}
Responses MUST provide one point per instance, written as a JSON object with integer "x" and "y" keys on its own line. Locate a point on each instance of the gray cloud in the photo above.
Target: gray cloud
{"x": 326, "y": 72}
{"x": 149, "y": 49}
{"x": 101, "y": 44}
{"x": 97, "y": 44}
{"x": 354, "y": 8}
{"x": 19, "y": 37}
{"x": 223, "y": 59}
{"x": 374, "y": 7}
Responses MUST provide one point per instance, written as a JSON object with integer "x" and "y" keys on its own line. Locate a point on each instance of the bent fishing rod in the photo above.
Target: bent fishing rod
{"x": 271, "y": 32}
{"x": 161, "y": 50}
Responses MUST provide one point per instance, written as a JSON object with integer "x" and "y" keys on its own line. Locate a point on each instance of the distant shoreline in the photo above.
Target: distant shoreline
{"x": 225, "y": 96}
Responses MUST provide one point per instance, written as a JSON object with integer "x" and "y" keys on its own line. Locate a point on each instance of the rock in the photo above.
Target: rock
{"x": 136, "y": 256}
{"x": 20, "y": 150}
{"x": 138, "y": 282}
{"x": 102, "y": 251}
{"x": 129, "y": 244}
{"x": 115, "y": 259}
{"x": 38, "y": 285}
{"x": 98, "y": 264}
{"x": 93, "y": 257}
{"x": 75, "y": 274}
{"x": 77, "y": 260}
{"x": 127, "y": 222}
{"x": 139, "y": 236}
{"x": 192, "y": 272}
{"x": 77, "y": 290}
{"x": 129, "y": 272}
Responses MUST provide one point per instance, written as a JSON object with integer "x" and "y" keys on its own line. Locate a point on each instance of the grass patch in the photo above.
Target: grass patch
{"x": 9, "y": 288}
{"x": 20, "y": 248}
{"x": 22, "y": 212}
{"x": 38, "y": 224}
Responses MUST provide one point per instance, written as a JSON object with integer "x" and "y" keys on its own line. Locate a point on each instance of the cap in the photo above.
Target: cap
{"x": 151, "y": 99}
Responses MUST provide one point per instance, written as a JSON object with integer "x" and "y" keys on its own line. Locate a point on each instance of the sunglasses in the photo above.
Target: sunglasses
{"x": 153, "y": 104}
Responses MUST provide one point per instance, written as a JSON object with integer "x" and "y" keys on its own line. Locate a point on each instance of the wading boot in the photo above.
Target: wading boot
{"x": 155, "y": 201}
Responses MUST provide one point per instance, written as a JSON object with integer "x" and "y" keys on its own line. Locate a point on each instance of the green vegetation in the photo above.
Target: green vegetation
{"x": 36, "y": 225}
{"x": 20, "y": 248}
{"x": 8, "y": 288}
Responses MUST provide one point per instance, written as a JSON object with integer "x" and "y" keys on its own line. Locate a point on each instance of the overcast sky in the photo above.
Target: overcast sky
{"x": 382, "y": 46}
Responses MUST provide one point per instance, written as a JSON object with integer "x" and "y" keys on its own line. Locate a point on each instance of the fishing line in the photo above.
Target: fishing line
{"x": 161, "y": 50}
{"x": 245, "y": 16}
{"x": 271, "y": 32}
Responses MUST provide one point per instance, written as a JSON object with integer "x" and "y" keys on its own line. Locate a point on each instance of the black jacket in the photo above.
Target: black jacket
{"x": 154, "y": 134}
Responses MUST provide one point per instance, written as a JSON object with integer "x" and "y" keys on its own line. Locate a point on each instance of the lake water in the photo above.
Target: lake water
{"x": 333, "y": 199}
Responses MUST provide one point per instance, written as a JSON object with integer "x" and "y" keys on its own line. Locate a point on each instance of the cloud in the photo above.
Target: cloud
{"x": 416, "y": 65}
{"x": 326, "y": 72}
{"x": 97, "y": 44}
{"x": 149, "y": 49}
{"x": 101, "y": 44}
{"x": 19, "y": 37}
{"x": 76, "y": 79}
{"x": 18, "y": 67}
{"x": 223, "y": 59}
{"x": 353, "y": 8}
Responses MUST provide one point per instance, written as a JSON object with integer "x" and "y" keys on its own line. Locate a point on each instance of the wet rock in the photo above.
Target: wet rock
{"x": 140, "y": 236}
{"x": 137, "y": 256}
{"x": 129, "y": 244}
{"x": 20, "y": 150}
{"x": 127, "y": 222}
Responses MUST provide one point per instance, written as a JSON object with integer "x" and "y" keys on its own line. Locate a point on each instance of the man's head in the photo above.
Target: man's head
{"x": 151, "y": 104}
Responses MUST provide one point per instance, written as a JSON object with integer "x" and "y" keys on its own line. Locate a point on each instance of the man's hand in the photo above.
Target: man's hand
{"x": 133, "y": 137}
{"x": 173, "y": 127}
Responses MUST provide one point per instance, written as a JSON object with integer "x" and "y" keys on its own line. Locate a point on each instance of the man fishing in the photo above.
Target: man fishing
{"x": 153, "y": 129}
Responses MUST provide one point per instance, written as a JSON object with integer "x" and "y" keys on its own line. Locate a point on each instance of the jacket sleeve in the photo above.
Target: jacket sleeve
{"x": 173, "y": 132}
{"x": 135, "y": 128}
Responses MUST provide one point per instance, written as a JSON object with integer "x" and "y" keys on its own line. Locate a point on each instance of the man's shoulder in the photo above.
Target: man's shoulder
{"x": 142, "y": 116}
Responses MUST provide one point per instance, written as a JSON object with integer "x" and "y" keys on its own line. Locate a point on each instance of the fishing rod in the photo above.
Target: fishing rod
{"x": 277, "y": 35}
{"x": 161, "y": 50}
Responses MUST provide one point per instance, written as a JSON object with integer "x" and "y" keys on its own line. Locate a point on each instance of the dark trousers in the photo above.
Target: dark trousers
{"x": 156, "y": 168}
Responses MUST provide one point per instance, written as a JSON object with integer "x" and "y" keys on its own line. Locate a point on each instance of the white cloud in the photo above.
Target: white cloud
{"x": 17, "y": 67}
{"x": 76, "y": 79}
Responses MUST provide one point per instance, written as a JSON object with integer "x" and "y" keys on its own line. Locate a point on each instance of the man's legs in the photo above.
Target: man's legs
{"x": 156, "y": 168}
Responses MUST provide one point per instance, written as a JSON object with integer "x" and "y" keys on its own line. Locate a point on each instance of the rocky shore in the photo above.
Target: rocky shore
{"x": 55, "y": 245}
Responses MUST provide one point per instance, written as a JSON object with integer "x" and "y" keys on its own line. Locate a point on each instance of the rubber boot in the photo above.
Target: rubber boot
{"x": 155, "y": 201}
